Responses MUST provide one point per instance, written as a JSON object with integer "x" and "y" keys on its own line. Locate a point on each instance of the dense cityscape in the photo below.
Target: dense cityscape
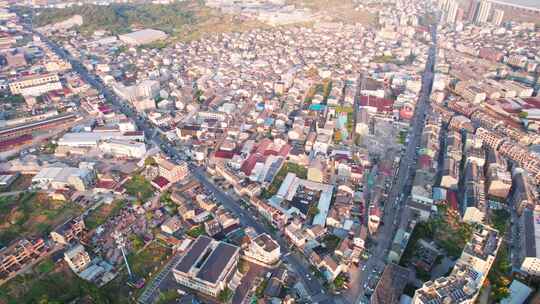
{"x": 269, "y": 151}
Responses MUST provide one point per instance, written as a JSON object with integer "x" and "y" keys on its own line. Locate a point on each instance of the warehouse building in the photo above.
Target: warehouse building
{"x": 122, "y": 147}
{"x": 64, "y": 177}
{"x": 92, "y": 139}
{"x": 142, "y": 37}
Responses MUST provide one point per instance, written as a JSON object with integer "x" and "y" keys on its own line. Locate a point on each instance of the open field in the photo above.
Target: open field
{"x": 186, "y": 21}
{"x": 50, "y": 283}
{"x": 102, "y": 213}
{"x": 32, "y": 215}
{"x": 183, "y": 21}
{"x": 336, "y": 10}
{"x": 139, "y": 187}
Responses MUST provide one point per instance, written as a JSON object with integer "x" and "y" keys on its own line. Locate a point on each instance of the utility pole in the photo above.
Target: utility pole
{"x": 121, "y": 243}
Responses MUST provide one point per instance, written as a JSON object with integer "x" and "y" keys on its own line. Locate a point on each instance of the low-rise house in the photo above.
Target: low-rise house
{"x": 171, "y": 225}
{"x": 69, "y": 231}
{"x": 264, "y": 249}
{"x": 77, "y": 258}
{"x": 332, "y": 268}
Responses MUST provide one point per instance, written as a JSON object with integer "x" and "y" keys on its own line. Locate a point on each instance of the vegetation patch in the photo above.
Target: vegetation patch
{"x": 331, "y": 242}
{"x": 288, "y": 167}
{"x": 31, "y": 214}
{"x": 182, "y": 20}
{"x": 500, "y": 275}
{"x": 196, "y": 232}
{"x": 499, "y": 219}
{"x": 53, "y": 287}
{"x": 100, "y": 215}
{"x": 446, "y": 229}
{"x": 139, "y": 187}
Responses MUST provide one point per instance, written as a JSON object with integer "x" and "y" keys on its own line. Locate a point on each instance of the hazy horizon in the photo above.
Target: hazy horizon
{"x": 531, "y": 3}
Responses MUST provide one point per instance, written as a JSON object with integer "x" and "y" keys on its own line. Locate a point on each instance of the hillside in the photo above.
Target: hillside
{"x": 336, "y": 10}
{"x": 182, "y": 21}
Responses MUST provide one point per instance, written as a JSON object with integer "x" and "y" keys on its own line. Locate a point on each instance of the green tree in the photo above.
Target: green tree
{"x": 225, "y": 295}
{"x": 313, "y": 211}
{"x": 150, "y": 161}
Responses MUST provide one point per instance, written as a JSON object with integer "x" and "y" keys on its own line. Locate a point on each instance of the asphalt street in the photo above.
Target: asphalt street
{"x": 313, "y": 286}
{"x": 401, "y": 185}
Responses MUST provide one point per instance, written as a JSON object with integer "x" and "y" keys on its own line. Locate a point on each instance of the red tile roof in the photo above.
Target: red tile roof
{"x": 452, "y": 200}
{"x": 285, "y": 149}
{"x": 382, "y": 104}
{"x": 7, "y": 144}
{"x": 224, "y": 154}
{"x": 106, "y": 184}
{"x": 249, "y": 164}
{"x": 160, "y": 181}
{"x": 424, "y": 161}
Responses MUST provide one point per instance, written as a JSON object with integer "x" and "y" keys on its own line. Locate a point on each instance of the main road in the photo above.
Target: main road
{"x": 313, "y": 287}
{"x": 402, "y": 185}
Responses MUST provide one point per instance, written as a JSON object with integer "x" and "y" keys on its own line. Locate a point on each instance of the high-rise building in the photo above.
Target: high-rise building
{"x": 472, "y": 10}
{"x": 441, "y": 4}
{"x": 498, "y": 16}
{"x": 484, "y": 12}
{"x": 451, "y": 11}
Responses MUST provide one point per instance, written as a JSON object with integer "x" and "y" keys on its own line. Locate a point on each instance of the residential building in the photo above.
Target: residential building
{"x": 498, "y": 15}
{"x": 264, "y": 249}
{"x": 171, "y": 171}
{"x": 484, "y": 12}
{"x": 450, "y": 175}
{"x": 468, "y": 275}
{"x": 35, "y": 85}
{"x": 77, "y": 258}
{"x": 529, "y": 240}
{"x": 71, "y": 230}
{"x": 19, "y": 254}
{"x": 499, "y": 182}
{"x": 171, "y": 225}
{"x": 391, "y": 285}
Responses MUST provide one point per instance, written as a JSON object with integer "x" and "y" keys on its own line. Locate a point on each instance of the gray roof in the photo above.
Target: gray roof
{"x": 217, "y": 261}
{"x": 192, "y": 255}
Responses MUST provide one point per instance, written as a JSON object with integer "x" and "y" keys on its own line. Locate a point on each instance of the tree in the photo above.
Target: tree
{"x": 243, "y": 266}
{"x": 340, "y": 281}
{"x": 225, "y": 295}
{"x": 313, "y": 211}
